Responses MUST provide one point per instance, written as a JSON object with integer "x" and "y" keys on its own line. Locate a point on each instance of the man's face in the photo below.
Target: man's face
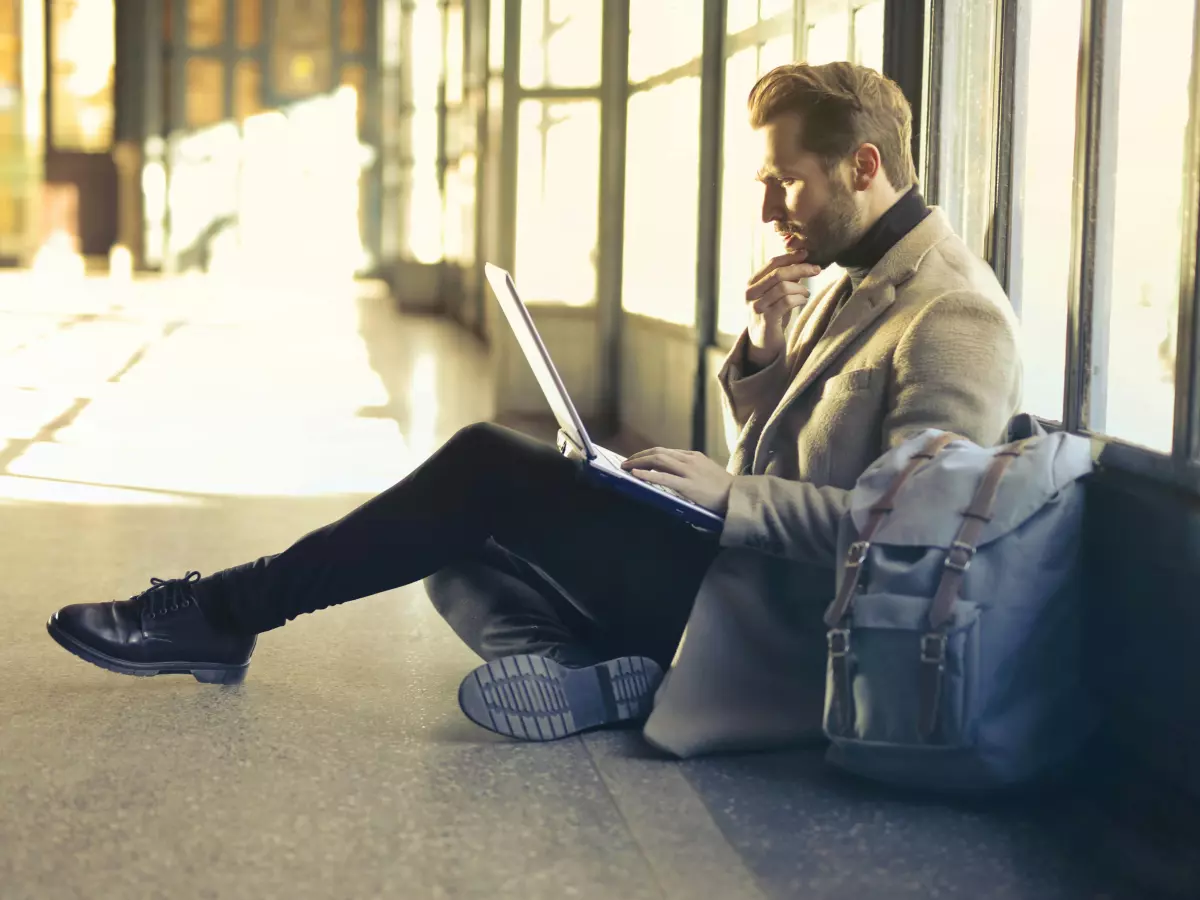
{"x": 812, "y": 210}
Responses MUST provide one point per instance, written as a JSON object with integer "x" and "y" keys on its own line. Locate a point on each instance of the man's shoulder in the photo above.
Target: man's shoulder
{"x": 951, "y": 268}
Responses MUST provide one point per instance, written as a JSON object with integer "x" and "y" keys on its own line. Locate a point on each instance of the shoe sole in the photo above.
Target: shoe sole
{"x": 206, "y": 673}
{"x": 537, "y": 699}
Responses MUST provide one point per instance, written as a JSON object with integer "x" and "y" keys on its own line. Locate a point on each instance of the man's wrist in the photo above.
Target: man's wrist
{"x": 758, "y": 358}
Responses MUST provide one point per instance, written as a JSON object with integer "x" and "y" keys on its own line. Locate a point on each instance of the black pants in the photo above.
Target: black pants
{"x": 522, "y": 554}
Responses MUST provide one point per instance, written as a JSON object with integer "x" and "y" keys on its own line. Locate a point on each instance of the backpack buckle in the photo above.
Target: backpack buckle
{"x": 839, "y": 641}
{"x": 856, "y": 555}
{"x": 933, "y": 648}
{"x": 959, "y": 556}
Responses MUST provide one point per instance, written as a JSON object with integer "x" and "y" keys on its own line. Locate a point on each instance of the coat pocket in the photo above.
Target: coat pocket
{"x": 849, "y": 382}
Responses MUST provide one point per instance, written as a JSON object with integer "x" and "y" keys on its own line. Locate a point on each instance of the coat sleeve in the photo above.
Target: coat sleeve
{"x": 956, "y": 368}
{"x": 748, "y": 400}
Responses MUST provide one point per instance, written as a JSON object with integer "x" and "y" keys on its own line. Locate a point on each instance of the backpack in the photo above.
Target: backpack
{"x": 954, "y": 637}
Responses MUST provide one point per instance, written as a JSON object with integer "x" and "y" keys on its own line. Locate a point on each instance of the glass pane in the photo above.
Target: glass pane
{"x": 828, "y": 39}
{"x": 454, "y": 54}
{"x": 353, "y": 26}
{"x": 966, "y": 138}
{"x": 1156, "y": 59}
{"x": 249, "y": 24}
{"x": 663, "y": 34}
{"x": 560, "y": 43}
{"x": 661, "y": 163}
{"x": 769, "y": 9}
{"x": 425, "y": 215}
{"x": 426, "y": 55}
{"x": 1044, "y": 160}
{"x": 424, "y": 137}
{"x": 204, "y": 92}
{"x": 205, "y": 23}
{"x": 247, "y": 89}
{"x": 355, "y": 78}
{"x": 83, "y": 53}
{"x": 776, "y": 52}
{"x": 496, "y": 36}
{"x": 868, "y": 35}
{"x": 558, "y": 190}
{"x": 740, "y": 15}
{"x": 740, "y": 195}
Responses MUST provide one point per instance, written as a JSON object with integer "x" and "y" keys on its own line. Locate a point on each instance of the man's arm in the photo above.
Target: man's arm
{"x": 957, "y": 368}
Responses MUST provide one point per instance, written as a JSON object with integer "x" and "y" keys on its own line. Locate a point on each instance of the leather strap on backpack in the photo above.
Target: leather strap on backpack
{"x": 958, "y": 561}
{"x": 835, "y": 615}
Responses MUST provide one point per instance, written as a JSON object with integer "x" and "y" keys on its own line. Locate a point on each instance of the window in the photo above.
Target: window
{"x": 560, "y": 43}
{"x": 83, "y": 53}
{"x": 661, "y": 194}
{"x": 663, "y": 34}
{"x": 1134, "y": 394}
{"x": 965, "y": 152}
{"x": 558, "y": 188}
{"x": 746, "y": 244}
{"x": 828, "y": 38}
{"x": 1043, "y": 165}
{"x": 662, "y": 161}
{"x": 868, "y": 35}
{"x": 424, "y": 201}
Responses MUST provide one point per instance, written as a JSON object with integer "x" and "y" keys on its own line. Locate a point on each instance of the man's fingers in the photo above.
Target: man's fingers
{"x": 664, "y": 478}
{"x": 785, "y": 260}
{"x": 784, "y": 295}
{"x": 673, "y": 461}
{"x": 642, "y": 454}
{"x": 784, "y": 273}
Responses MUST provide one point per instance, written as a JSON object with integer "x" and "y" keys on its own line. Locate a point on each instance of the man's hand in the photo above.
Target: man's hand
{"x": 688, "y": 472}
{"x": 774, "y": 291}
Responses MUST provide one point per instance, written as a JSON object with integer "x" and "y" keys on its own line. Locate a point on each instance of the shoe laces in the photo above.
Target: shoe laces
{"x": 169, "y": 595}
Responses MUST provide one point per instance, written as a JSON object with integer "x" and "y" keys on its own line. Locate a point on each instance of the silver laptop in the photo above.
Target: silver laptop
{"x": 603, "y": 464}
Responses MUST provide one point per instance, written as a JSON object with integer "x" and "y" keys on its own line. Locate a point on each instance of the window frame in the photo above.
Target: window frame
{"x": 1089, "y": 295}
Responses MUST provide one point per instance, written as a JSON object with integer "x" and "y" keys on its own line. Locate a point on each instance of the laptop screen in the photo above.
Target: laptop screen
{"x": 521, "y": 323}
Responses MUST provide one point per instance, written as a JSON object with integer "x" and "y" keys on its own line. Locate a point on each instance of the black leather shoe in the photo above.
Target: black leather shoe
{"x": 161, "y": 631}
{"x": 535, "y": 698}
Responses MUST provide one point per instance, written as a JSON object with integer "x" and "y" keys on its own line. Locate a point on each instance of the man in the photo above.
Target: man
{"x": 577, "y": 596}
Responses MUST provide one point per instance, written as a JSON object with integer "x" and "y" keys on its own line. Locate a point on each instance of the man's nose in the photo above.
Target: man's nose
{"x": 772, "y": 209}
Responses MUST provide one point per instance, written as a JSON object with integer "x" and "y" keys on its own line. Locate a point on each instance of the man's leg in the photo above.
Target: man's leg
{"x": 637, "y": 566}
{"x": 500, "y": 605}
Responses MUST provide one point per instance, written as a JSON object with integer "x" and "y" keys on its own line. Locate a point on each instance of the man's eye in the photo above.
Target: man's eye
{"x": 787, "y": 182}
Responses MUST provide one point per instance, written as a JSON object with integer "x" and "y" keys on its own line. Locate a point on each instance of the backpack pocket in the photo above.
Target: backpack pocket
{"x": 886, "y": 675}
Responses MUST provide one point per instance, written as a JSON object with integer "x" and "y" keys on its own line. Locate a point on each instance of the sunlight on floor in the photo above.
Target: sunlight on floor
{"x": 198, "y": 386}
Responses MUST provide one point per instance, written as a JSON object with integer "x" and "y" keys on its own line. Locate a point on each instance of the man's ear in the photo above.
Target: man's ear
{"x": 868, "y": 165}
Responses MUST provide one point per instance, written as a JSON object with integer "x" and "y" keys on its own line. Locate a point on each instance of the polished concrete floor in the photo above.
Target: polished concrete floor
{"x": 151, "y": 428}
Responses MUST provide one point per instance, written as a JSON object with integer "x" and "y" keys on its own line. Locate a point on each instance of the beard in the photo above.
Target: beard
{"x": 833, "y": 230}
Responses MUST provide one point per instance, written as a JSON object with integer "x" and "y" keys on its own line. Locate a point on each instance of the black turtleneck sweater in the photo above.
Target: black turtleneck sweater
{"x": 905, "y": 214}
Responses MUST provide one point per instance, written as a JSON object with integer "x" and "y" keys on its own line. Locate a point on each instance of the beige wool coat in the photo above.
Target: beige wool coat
{"x": 928, "y": 340}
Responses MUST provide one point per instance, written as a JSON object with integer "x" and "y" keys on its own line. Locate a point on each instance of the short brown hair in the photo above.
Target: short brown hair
{"x": 843, "y": 106}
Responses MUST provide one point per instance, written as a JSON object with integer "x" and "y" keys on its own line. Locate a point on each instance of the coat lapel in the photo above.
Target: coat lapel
{"x": 818, "y": 346}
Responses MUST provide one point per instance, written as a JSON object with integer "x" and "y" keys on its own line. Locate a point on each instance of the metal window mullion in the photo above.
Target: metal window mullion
{"x": 614, "y": 89}
{"x": 510, "y": 122}
{"x": 1090, "y": 288}
{"x": 689, "y": 69}
{"x": 1186, "y": 442}
{"x": 933, "y": 101}
{"x": 1008, "y": 30}
{"x": 903, "y": 57}
{"x": 557, "y": 94}
{"x": 708, "y": 209}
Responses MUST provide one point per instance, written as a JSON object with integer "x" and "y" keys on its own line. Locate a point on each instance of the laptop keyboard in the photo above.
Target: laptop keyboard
{"x": 616, "y": 459}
